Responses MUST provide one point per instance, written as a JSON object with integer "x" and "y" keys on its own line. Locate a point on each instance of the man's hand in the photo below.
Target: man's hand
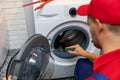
{"x": 9, "y": 78}
{"x": 78, "y": 50}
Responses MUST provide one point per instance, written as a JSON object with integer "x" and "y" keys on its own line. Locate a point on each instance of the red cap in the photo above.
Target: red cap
{"x": 107, "y": 11}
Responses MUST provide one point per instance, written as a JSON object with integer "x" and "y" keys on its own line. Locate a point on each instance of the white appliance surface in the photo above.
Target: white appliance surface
{"x": 55, "y": 13}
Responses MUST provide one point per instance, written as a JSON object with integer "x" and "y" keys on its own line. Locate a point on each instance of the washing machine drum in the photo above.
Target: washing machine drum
{"x": 71, "y": 37}
{"x": 33, "y": 61}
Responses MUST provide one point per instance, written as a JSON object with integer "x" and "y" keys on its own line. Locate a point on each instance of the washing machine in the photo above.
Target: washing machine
{"x": 52, "y": 21}
{"x": 43, "y": 56}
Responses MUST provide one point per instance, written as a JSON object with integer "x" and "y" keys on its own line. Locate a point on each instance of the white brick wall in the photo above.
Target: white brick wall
{"x": 4, "y": 45}
{"x": 15, "y": 18}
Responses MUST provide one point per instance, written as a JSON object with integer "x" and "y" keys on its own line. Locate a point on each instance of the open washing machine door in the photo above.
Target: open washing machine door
{"x": 33, "y": 61}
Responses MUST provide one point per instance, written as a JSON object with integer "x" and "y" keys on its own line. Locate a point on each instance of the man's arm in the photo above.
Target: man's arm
{"x": 81, "y": 52}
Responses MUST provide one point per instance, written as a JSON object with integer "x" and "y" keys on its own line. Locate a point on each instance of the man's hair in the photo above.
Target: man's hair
{"x": 113, "y": 28}
{"x": 92, "y": 18}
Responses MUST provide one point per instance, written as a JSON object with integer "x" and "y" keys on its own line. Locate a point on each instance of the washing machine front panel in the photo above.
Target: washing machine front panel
{"x": 33, "y": 62}
{"x": 55, "y": 13}
{"x": 55, "y": 18}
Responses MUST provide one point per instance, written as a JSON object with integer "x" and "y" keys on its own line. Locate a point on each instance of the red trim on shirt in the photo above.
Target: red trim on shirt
{"x": 90, "y": 79}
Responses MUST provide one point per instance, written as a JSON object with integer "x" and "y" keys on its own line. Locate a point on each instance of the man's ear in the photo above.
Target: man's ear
{"x": 100, "y": 24}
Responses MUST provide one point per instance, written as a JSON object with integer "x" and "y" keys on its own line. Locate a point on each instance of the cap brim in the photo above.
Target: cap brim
{"x": 83, "y": 10}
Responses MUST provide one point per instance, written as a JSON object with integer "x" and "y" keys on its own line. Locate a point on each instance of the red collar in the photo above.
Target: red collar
{"x": 105, "y": 59}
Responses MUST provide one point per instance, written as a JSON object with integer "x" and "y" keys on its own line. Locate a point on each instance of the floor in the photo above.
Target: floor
{"x": 4, "y": 67}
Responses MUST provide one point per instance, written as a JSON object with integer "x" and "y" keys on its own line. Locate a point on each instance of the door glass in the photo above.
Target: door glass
{"x": 38, "y": 65}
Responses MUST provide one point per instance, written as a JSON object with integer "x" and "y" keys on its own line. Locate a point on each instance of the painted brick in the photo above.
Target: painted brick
{"x": 18, "y": 37}
{"x": 14, "y": 11}
{"x": 8, "y": 5}
{"x": 12, "y": 0}
{"x": 16, "y": 32}
{"x": 16, "y": 27}
{"x": 16, "y": 22}
{"x": 16, "y": 17}
{"x": 19, "y": 4}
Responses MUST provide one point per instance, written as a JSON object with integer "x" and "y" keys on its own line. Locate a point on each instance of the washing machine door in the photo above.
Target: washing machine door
{"x": 33, "y": 61}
